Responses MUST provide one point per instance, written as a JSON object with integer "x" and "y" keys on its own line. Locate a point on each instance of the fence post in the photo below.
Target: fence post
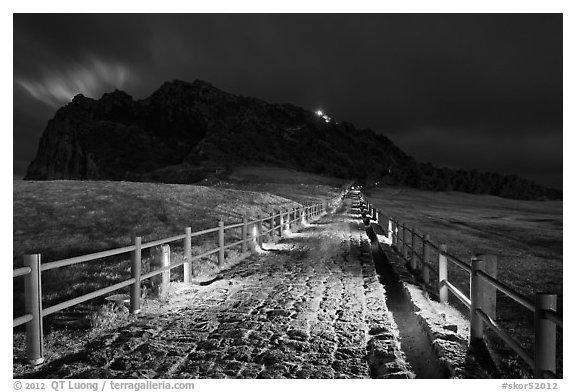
{"x": 244, "y": 234}
{"x": 405, "y": 231}
{"x": 426, "y": 259}
{"x": 220, "y": 242}
{"x": 281, "y": 216}
{"x": 135, "y": 269}
{"x": 402, "y": 238}
{"x": 375, "y": 215}
{"x": 287, "y": 222}
{"x": 164, "y": 262}
{"x": 394, "y": 234}
{"x": 302, "y": 215}
{"x": 253, "y": 236}
{"x": 272, "y": 233}
{"x": 489, "y": 291}
{"x": 390, "y": 233}
{"x": 260, "y": 227}
{"x": 442, "y": 274}
{"x": 33, "y": 306}
{"x": 399, "y": 238}
{"x": 188, "y": 255}
{"x": 476, "y": 323}
{"x": 545, "y": 344}
{"x": 413, "y": 261}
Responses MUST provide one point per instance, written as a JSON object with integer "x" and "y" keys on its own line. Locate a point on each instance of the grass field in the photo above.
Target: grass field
{"x": 61, "y": 219}
{"x": 526, "y": 236}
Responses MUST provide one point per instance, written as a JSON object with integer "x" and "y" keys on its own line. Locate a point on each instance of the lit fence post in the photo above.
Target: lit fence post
{"x": 395, "y": 234}
{"x": 442, "y": 274}
{"x": 489, "y": 291}
{"x": 188, "y": 255}
{"x": 220, "y": 242}
{"x": 135, "y": 269}
{"x": 272, "y": 233}
{"x": 244, "y": 234}
{"x": 476, "y": 323}
{"x": 165, "y": 262}
{"x": 281, "y": 228}
{"x": 260, "y": 227}
{"x": 253, "y": 236}
{"x": 413, "y": 261}
{"x": 302, "y": 215}
{"x": 426, "y": 259}
{"x": 390, "y": 233}
{"x": 33, "y": 306}
{"x": 545, "y": 344}
{"x": 287, "y": 221}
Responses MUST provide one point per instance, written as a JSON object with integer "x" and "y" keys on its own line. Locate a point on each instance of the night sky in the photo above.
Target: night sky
{"x": 465, "y": 91}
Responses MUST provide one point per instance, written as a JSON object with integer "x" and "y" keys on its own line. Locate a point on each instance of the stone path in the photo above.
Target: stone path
{"x": 308, "y": 306}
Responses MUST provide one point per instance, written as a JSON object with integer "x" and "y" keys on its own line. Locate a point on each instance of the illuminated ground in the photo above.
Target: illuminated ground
{"x": 308, "y": 306}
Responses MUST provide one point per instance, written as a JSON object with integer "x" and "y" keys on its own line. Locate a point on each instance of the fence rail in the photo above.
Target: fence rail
{"x": 483, "y": 285}
{"x": 252, "y": 233}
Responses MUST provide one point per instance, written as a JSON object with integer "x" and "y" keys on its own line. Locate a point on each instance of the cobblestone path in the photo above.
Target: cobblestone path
{"x": 308, "y": 306}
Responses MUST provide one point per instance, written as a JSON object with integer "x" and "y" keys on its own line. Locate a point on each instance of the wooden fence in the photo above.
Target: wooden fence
{"x": 252, "y": 232}
{"x": 482, "y": 295}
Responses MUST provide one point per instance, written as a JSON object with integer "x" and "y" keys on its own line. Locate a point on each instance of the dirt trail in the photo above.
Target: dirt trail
{"x": 308, "y": 306}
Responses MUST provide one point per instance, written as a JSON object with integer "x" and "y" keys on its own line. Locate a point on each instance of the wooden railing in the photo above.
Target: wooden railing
{"x": 481, "y": 301}
{"x": 252, "y": 233}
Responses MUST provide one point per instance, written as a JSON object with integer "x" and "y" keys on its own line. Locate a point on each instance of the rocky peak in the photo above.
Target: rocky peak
{"x": 185, "y": 132}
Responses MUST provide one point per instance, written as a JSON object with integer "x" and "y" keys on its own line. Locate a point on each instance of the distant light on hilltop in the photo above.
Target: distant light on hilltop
{"x": 324, "y": 116}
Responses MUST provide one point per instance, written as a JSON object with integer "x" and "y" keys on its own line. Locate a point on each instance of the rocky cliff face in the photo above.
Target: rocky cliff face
{"x": 187, "y": 132}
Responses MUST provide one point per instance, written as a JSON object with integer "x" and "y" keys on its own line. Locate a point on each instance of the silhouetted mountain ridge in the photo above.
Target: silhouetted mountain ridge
{"x": 186, "y": 132}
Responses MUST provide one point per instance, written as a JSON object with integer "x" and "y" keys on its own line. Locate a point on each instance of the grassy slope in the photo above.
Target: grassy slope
{"x": 525, "y": 235}
{"x": 61, "y": 219}
{"x": 292, "y": 184}
{"x": 276, "y": 175}
{"x": 64, "y": 218}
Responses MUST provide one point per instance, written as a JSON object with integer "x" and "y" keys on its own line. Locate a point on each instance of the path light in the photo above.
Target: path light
{"x": 320, "y": 113}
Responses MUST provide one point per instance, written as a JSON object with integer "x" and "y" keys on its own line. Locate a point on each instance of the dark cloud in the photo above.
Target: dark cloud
{"x": 497, "y": 79}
